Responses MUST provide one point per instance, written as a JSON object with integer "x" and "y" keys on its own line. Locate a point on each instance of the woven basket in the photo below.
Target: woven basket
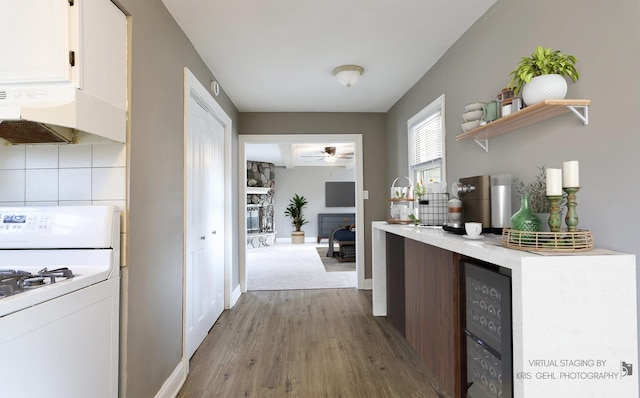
{"x": 564, "y": 241}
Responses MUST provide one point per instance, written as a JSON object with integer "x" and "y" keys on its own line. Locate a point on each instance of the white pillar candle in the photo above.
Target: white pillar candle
{"x": 570, "y": 174}
{"x": 554, "y": 182}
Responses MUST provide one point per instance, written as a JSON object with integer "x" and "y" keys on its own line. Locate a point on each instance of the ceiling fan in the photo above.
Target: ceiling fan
{"x": 330, "y": 155}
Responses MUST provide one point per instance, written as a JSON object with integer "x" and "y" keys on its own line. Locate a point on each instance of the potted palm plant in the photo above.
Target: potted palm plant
{"x": 294, "y": 210}
{"x": 541, "y": 75}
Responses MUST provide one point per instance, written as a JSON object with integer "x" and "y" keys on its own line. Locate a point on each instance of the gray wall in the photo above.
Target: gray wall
{"x": 604, "y": 37}
{"x": 153, "y": 336}
{"x": 308, "y": 181}
{"x": 370, "y": 125}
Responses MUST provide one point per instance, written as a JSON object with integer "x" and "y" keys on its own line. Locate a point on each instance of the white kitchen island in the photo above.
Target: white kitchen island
{"x": 574, "y": 316}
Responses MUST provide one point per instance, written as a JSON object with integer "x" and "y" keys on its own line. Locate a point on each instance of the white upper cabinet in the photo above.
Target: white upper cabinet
{"x": 103, "y": 68}
{"x": 36, "y": 40}
{"x": 77, "y": 43}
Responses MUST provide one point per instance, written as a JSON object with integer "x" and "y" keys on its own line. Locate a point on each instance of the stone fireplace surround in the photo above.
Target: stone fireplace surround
{"x": 260, "y": 208}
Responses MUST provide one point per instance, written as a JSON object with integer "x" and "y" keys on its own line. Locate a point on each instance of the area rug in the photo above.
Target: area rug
{"x": 331, "y": 264}
{"x": 285, "y": 266}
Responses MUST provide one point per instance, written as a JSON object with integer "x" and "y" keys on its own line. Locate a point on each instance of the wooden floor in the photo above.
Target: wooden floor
{"x": 305, "y": 343}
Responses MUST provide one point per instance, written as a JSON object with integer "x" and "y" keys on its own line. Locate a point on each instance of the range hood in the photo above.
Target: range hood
{"x": 58, "y": 115}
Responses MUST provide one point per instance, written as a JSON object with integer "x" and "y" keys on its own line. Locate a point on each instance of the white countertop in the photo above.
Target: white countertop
{"x": 488, "y": 248}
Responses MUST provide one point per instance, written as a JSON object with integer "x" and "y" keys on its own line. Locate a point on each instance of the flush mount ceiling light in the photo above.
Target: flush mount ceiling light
{"x": 348, "y": 75}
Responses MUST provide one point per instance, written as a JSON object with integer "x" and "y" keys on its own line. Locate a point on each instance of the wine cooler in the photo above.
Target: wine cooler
{"x": 488, "y": 331}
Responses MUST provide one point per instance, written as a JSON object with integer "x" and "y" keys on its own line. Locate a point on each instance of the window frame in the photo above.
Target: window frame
{"x": 417, "y": 119}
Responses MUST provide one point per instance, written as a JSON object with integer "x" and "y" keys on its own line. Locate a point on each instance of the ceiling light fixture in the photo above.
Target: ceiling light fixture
{"x": 348, "y": 75}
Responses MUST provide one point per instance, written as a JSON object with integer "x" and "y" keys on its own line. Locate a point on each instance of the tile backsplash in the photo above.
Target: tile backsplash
{"x": 58, "y": 175}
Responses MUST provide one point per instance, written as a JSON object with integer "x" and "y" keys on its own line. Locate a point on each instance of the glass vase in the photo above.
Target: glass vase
{"x": 525, "y": 219}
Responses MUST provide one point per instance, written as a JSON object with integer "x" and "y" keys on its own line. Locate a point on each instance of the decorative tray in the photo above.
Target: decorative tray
{"x": 563, "y": 241}
{"x": 399, "y": 221}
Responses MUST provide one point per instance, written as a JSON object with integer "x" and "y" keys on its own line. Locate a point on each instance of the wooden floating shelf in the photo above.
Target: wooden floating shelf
{"x": 527, "y": 116}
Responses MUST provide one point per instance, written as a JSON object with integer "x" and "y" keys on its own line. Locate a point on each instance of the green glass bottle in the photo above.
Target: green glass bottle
{"x": 525, "y": 219}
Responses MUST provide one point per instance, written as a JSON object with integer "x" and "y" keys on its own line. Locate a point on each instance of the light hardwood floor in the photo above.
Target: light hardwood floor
{"x": 306, "y": 343}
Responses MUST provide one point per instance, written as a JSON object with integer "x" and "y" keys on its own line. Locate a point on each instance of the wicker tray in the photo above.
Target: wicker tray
{"x": 563, "y": 241}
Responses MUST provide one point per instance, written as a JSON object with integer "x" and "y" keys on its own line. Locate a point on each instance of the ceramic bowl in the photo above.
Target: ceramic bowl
{"x": 471, "y": 116}
{"x": 468, "y": 126}
{"x": 476, "y": 106}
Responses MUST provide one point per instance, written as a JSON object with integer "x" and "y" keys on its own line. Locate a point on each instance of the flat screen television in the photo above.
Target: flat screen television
{"x": 340, "y": 194}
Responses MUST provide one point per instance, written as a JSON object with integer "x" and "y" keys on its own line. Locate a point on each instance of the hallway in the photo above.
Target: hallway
{"x": 305, "y": 343}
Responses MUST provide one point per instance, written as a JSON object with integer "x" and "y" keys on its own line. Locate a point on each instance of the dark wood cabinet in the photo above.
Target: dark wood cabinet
{"x": 424, "y": 302}
{"x": 395, "y": 282}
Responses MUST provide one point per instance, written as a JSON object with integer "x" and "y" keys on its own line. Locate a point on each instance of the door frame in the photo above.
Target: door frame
{"x": 194, "y": 89}
{"x": 356, "y": 139}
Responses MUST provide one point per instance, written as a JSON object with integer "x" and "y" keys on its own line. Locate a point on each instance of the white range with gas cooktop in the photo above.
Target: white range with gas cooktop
{"x": 59, "y": 301}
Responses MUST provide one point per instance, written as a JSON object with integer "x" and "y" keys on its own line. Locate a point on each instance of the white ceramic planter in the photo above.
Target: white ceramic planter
{"x": 544, "y": 87}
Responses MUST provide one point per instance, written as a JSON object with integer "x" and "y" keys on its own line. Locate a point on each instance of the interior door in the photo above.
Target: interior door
{"x": 204, "y": 274}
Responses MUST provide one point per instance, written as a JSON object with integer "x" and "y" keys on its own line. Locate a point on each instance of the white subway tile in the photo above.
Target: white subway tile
{"x": 108, "y": 183}
{"x": 12, "y": 157}
{"x": 75, "y": 184}
{"x": 41, "y": 203}
{"x": 109, "y": 155}
{"x": 75, "y": 156}
{"x": 12, "y": 185}
{"x": 42, "y": 157}
{"x": 74, "y": 203}
{"x": 41, "y": 185}
{"x": 11, "y": 204}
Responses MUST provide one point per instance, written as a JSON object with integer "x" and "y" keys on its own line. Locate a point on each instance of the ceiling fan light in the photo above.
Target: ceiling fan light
{"x": 348, "y": 75}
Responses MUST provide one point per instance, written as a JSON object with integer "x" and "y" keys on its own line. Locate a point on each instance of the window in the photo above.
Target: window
{"x": 427, "y": 143}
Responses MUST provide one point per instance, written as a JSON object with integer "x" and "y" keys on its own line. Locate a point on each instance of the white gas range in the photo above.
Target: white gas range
{"x": 59, "y": 300}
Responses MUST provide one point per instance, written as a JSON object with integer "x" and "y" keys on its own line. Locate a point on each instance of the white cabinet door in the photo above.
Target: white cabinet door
{"x": 204, "y": 284}
{"x": 35, "y": 41}
{"x": 37, "y": 36}
{"x": 103, "y": 52}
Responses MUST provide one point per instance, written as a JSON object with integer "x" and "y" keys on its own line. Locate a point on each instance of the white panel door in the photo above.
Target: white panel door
{"x": 204, "y": 216}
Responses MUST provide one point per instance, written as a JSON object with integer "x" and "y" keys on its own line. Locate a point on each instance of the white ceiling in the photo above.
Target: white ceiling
{"x": 278, "y": 55}
{"x": 303, "y": 154}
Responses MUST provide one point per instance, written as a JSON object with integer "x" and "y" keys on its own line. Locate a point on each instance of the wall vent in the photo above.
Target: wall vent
{"x": 3, "y": 95}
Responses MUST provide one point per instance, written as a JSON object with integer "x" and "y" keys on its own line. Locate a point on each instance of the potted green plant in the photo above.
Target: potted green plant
{"x": 536, "y": 191}
{"x": 541, "y": 75}
{"x": 294, "y": 210}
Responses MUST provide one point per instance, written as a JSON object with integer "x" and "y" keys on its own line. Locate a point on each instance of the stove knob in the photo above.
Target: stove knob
{"x": 203, "y": 237}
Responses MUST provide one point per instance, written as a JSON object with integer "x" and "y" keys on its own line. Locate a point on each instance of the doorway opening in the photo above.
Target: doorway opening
{"x": 301, "y": 139}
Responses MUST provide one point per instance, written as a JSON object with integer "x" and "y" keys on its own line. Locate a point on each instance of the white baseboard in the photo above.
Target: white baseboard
{"x": 367, "y": 285}
{"x": 172, "y": 385}
{"x": 235, "y": 296}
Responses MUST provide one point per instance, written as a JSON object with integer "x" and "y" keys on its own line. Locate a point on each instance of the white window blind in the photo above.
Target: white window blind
{"x": 426, "y": 139}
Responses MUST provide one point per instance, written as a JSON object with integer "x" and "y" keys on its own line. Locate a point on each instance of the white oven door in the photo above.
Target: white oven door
{"x": 66, "y": 347}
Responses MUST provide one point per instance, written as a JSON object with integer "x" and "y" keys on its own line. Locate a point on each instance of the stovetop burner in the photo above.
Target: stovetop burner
{"x": 18, "y": 281}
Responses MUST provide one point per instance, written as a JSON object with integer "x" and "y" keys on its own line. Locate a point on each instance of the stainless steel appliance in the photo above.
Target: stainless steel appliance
{"x": 500, "y": 202}
{"x": 59, "y": 301}
{"x": 488, "y": 331}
